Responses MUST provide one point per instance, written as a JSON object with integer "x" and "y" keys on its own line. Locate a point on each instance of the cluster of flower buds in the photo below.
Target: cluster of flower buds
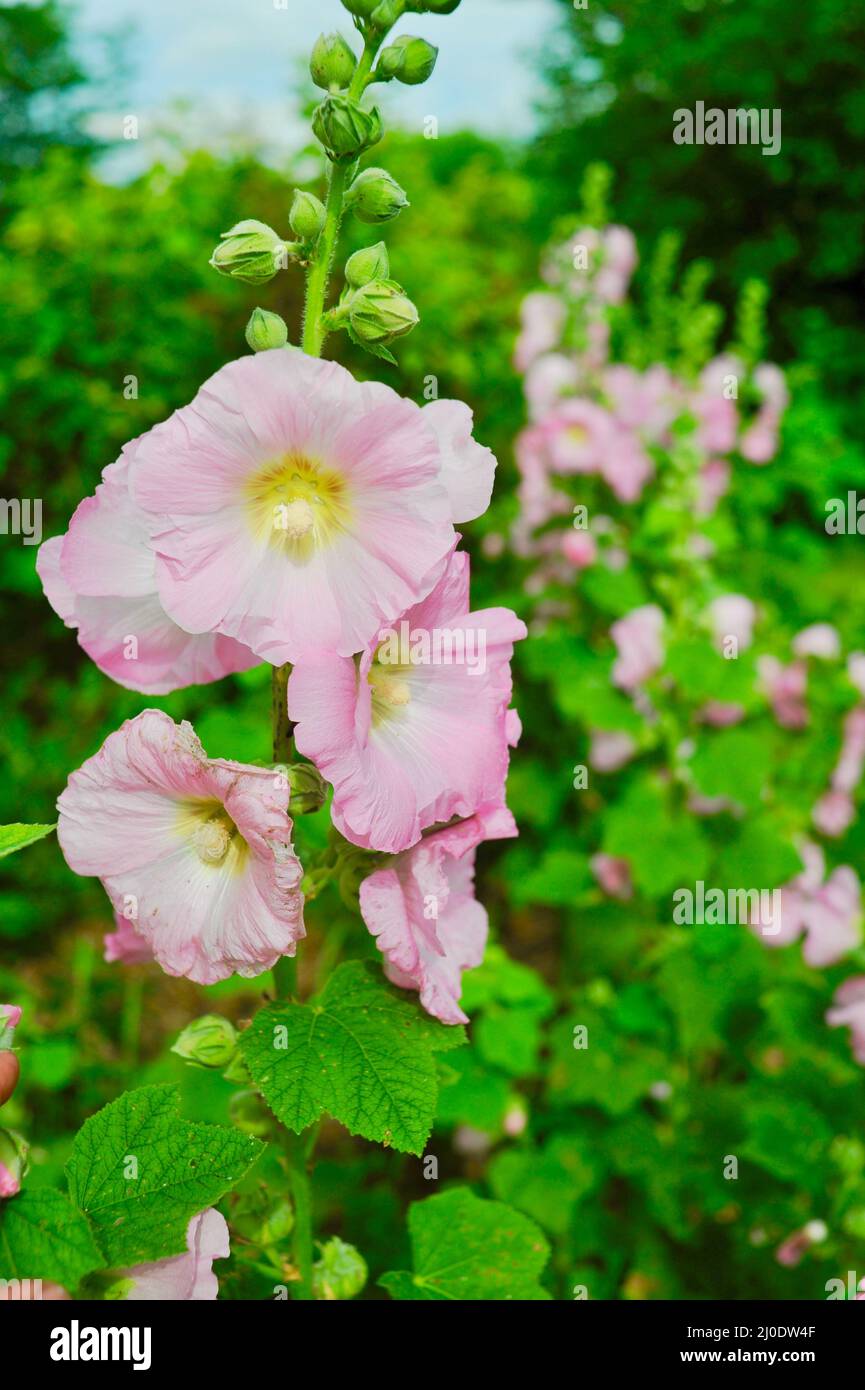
{"x": 374, "y": 309}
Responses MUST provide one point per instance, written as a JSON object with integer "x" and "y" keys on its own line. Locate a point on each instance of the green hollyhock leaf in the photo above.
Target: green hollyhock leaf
{"x": 140, "y": 1172}
{"x": 360, "y": 1050}
{"x": 466, "y": 1248}
{"x": 733, "y": 763}
{"x": 42, "y": 1236}
{"x": 473, "y": 1094}
{"x": 545, "y": 1183}
{"x": 594, "y": 1063}
{"x": 14, "y": 837}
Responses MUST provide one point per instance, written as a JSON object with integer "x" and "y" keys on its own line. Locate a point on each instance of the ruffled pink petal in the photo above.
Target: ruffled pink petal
{"x": 467, "y": 468}
{"x": 215, "y": 571}
{"x": 125, "y": 817}
{"x": 57, "y": 591}
{"x": 187, "y": 1278}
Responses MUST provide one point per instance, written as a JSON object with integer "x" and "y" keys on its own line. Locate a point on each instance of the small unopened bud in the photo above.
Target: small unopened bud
{"x": 266, "y": 330}
{"x": 380, "y": 312}
{"x": 307, "y": 215}
{"x": 332, "y": 63}
{"x": 263, "y": 1219}
{"x": 362, "y": 8}
{"x": 340, "y": 1272}
{"x": 375, "y": 196}
{"x": 308, "y": 789}
{"x": 346, "y": 128}
{"x": 14, "y": 1162}
{"x": 210, "y": 1041}
{"x": 409, "y": 60}
{"x": 251, "y": 251}
{"x": 246, "y": 1110}
{"x": 10, "y": 1017}
{"x": 386, "y": 14}
{"x": 371, "y": 263}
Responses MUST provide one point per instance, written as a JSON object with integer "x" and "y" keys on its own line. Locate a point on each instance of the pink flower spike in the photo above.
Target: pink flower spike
{"x": 125, "y": 945}
{"x": 423, "y": 913}
{"x": 101, "y": 579}
{"x": 417, "y": 731}
{"x": 196, "y": 852}
{"x": 187, "y": 1278}
{"x": 296, "y": 509}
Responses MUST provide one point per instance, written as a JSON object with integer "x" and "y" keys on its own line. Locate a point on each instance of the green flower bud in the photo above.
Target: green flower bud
{"x": 408, "y": 60}
{"x": 308, "y": 789}
{"x": 251, "y": 252}
{"x": 433, "y": 6}
{"x": 346, "y": 128}
{"x": 263, "y": 1219}
{"x": 307, "y": 215}
{"x": 362, "y": 8}
{"x": 332, "y": 63}
{"x": 372, "y": 263}
{"x": 266, "y": 330}
{"x": 376, "y": 197}
{"x": 208, "y": 1042}
{"x": 246, "y": 1110}
{"x": 380, "y": 312}
{"x": 340, "y": 1273}
{"x": 14, "y": 1162}
{"x": 386, "y": 14}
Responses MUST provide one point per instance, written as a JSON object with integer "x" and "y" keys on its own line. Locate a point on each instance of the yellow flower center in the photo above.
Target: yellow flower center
{"x": 215, "y": 838}
{"x": 391, "y": 691}
{"x": 298, "y": 505}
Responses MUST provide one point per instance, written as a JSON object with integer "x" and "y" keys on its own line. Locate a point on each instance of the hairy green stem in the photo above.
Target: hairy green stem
{"x": 299, "y": 1152}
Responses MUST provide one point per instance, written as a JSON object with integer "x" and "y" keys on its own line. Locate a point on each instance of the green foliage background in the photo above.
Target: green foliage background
{"x": 101, "y": 283}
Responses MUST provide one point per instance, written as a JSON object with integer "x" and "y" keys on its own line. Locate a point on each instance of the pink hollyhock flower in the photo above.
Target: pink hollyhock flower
{"x": 608, "y": 751}
{"x": 613, "y": 875}
{"x": 639, "y": 640}
{"x": 732, "y": 615}
{"x": 759, "y": 443}
{"x": 186, "y": 1278}
{"x": 417, "y": 730}
{"x": 848, "y": 771}
{"x": 10, "y": 1017}
{"x": 849, "y": 1012}
{"x": 547, "y": 380}
{"x": 791, "y": 1251}
{"x": 198, "y": 850}
{"x": 772, "y": 386}
{"x": 579, "y": 548}
{"x": 580, "y": 436}
{"x": 101, "y": 579}
{"x": 828, "y": 912}
{"x": 423, "y": 913}
{"x": 542, "y": 317}
{"x": 620, "y": 250}
{"x": 125, "y": 944}
{"x": 642, "y": 401}
{"x": 833, "y": 813}
{"x": 785, "y": 687}
{"x": 713, "y": 483}
{"x": 721, "y": 715}
{"x": 856, "y": 670}
{"x": 820, "y": 640}
{"x": 296, "y": 509}
{"x": 626, "y": 467}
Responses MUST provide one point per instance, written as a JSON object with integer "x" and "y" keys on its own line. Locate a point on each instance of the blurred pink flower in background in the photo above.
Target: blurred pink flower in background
{"x": 638, "y": 638}
{"x": 848, "y": 1011}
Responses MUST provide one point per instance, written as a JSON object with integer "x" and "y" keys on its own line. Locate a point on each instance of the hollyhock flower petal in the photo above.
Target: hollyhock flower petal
{"x": 543, "y": 317}
{"x": 547, "y": 380}
{"x": 785, "y": 687}
{"x": 186, "y": 1278}
{"x": 759, "y": 443}
{"x": 639, "y": 641}
{"x": 125, "y": 945}
{"x": 413, "y": 733}
{"x": 613, "y": 875}
{"x": 294, "y": 508}
{"x": 101, "y": 579}
{"x": 579, "y": 548}
{"x": 713, "y": 484}
{"x": 732, "y": 615}
{"x": 849, "y": 1012}
{"x": 422, "y": 911}
{"x": 580, "y": 436}
{"x": 626, "y": 467}
{"x": 833, "y": 919}
{"x": 820, "y": 640}
{"x": 610, "y": 750}
{"x": 198, "y": 850}
{"x": 10, "y": 1017}
{"x": 467, "y": 468}
{"x": 833, "y": 813}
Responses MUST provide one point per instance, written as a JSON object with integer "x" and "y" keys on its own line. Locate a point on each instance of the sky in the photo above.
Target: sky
{"x": 232, "y": 63}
